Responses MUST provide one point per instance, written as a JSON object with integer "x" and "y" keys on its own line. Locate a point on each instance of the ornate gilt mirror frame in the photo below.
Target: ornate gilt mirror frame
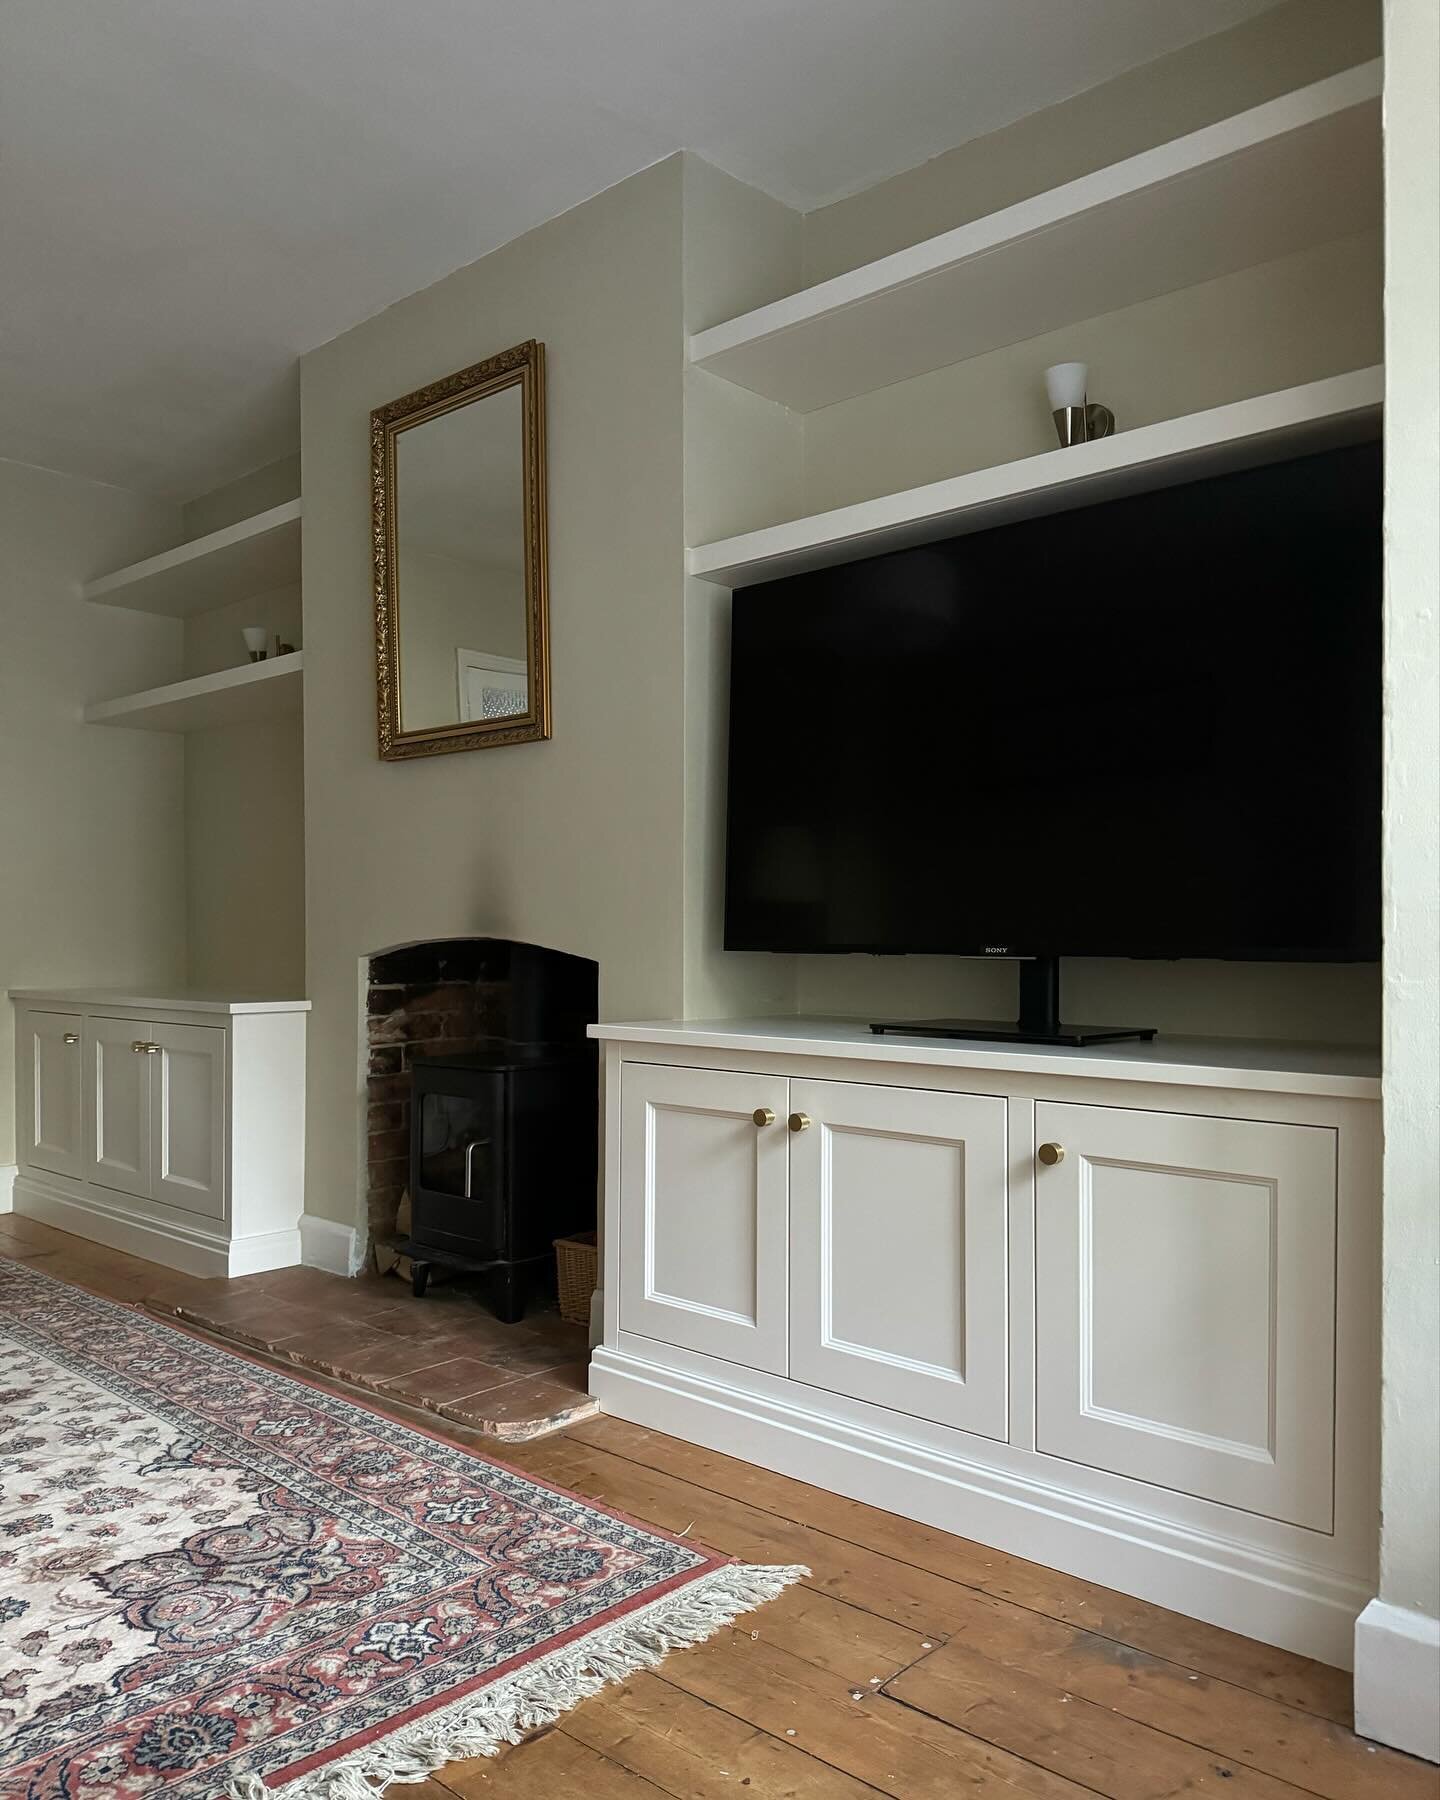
{"x": 522, "y": 366}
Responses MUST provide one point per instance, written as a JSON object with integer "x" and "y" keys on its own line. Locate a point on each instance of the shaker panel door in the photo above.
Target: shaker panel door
{"x": 703, "y": 1211}
{"x": 1185, "y": 1304}
{"x": 188, "y": 1117}
{"x": 117, "y": 1104}
{"x": 51, "y": 1125}
{"x": 898, "y": 1250}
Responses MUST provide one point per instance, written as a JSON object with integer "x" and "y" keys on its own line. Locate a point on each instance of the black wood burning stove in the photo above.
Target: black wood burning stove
{"x": 503, "y": 1138}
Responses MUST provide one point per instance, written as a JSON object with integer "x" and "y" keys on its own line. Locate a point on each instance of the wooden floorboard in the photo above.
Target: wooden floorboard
{"x": 1067, "y": 1710}
{"x": 911, "y": 1664}
{"x": 852, "y": 1726}
{"x": 1298, "y": 1681}
{"x": 551, "y": 1766}
{"x": 694, "y": 1750}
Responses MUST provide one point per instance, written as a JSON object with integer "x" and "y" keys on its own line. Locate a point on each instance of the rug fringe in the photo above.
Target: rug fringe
{"x": 538, "y": 1693}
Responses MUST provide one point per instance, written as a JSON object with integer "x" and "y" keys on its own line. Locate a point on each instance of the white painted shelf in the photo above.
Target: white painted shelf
{"x": 1296, "y": 172}
{"x": 260, "y": 690}
{"x": 1337, "y": 1071}
{"x": 248, "y": 558}
{"x": 1317, "y": 416}
{"x": 204, "y": 1000}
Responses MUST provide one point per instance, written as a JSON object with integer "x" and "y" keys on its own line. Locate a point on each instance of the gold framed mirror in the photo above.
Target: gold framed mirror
{"x": 457, "y": 482}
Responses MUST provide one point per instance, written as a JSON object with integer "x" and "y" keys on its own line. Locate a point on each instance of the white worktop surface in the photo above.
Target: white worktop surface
{"x": 201, "y": 1000}
{"x": 1257, "y": 1064}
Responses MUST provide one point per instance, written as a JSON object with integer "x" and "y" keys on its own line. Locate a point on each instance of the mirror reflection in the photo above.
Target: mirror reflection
{"x": 460, "y": 533}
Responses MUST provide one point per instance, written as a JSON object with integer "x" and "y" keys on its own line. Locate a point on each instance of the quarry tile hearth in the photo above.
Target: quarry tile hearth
{"x": 444, "y": 1353}
{"x": 371, "y": 1333}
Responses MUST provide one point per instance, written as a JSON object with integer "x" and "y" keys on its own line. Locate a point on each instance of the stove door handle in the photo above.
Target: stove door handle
{"x": 470, "y": 1150}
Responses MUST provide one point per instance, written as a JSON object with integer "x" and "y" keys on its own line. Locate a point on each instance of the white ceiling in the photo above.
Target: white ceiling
{"x": 195, "y": 192}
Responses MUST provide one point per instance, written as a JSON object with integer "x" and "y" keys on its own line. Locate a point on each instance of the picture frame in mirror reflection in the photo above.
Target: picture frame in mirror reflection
{"x": 458, "y": 478}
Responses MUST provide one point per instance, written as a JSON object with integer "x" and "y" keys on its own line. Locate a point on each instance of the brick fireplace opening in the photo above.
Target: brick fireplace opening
{"x": 440, "y": 997}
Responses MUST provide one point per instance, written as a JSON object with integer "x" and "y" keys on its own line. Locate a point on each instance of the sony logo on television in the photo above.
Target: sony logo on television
{"x": 997, "y": 949}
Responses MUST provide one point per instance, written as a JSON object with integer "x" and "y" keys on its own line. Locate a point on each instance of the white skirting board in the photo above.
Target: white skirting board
{"x": 1242, "y": 1588}
{"x": 1397, "y": 1678}
{"x": 8, "y": 1172}
{"x": 324, "y": 1244}
{"x": 176, "y": 1243}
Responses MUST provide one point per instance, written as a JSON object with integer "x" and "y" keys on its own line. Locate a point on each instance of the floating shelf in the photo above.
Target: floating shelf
{"x": 261, "y": 690}
{"x": 1318, "y": 416}
{"x": 1296, "y": 172}
{"x": 244, "y": 559}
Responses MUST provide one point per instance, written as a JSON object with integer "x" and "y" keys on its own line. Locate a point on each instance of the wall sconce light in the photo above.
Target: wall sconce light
{"x": 1077, "y": 420}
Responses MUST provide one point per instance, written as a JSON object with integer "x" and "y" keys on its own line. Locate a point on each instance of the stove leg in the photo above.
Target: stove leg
{"x": 419, "y": 1279}
{"x": 507, "y": 1296}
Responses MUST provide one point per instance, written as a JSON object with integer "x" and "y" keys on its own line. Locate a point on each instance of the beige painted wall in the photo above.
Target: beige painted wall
{"x": 742, "y": 456}
{"x": 1303, "y": 1002}
{"x": 245, "y": 857}
{"x": 213, "y": 639}
{"x": 1294, "y": 320}
{"x": 253, "y": 493}
{"x": 1284, "y": 48}
{"x": 578, "y": 842}
{"x": 1410, "y": 1420}
{"x": 90, "y": 816}
{"x": 245, "y": 784}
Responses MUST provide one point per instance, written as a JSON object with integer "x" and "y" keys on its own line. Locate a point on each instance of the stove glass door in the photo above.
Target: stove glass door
{"x": 460, "y": 1202}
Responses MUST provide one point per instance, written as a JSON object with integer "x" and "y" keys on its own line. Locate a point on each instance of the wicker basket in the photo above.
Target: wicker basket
{"x": 575, "y": 1266}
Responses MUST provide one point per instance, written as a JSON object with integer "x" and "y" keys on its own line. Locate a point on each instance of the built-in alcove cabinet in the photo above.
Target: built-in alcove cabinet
{"x": 169, "y": 1126}
{"x": 1110, "y": 1310}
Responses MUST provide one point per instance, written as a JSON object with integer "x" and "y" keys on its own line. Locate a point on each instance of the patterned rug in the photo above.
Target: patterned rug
{"x": 218, "y": 1580}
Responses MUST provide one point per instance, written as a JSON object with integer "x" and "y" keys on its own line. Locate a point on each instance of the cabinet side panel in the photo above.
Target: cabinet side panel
{"x": 267, "y": 1123}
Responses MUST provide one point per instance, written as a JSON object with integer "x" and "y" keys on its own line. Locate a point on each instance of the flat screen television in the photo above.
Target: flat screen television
{"x": 1144, "y": 728}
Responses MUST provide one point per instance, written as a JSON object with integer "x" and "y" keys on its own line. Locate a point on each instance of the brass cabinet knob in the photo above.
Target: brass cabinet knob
{"x": 138, "y": 1046}
{"x": 799, "y": 1121}
{"x": 72, "y": 1037}
{"x": 1050, "y": 1154}
{"x": 142, "y": 1047}
{"x": 763, "y": 1115}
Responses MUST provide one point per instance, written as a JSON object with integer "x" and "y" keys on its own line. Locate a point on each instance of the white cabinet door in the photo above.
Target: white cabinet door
{"x": 117, "y": 1105}
{"x": 187, "y": 1117}
{"x": 51, "y": 1111}
{"x": 1185, "y": 1304}
{"x": 898, "y": 1250}
{"x": 703, "y": 1211}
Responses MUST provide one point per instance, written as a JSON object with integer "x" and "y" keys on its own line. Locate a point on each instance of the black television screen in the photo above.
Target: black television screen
{"x": 1147, "y": 728}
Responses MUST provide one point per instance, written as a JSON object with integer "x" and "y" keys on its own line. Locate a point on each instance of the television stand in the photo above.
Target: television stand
{"x": 1038, "y": 1023}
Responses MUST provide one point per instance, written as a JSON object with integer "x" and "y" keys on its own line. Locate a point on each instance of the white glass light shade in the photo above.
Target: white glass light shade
{"x": 1065, "y": 384}
{"x": 256, "y": 637}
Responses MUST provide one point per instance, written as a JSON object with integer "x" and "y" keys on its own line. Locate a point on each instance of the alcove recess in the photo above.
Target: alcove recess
{"x": 240, "y": 722}
{"x": 1225, "y": 289}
